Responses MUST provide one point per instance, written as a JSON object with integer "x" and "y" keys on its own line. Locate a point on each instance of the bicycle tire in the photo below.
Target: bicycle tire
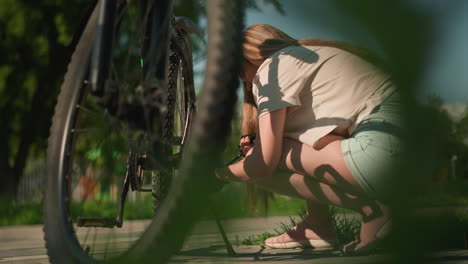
{"x": 210, "y": 129}
{"x": 61, "y": 239}
{"x": 180, "y": 105}
{"x": 56, "y": 231}
{"x": 188, "y": 193}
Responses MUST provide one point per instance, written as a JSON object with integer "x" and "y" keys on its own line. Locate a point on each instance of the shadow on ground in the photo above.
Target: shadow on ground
{"x": 260, "y": 253}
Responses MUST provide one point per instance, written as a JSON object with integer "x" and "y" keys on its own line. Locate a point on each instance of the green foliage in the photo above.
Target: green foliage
{"x": 103, "y": 206}
{"x": 12, "y": 213}
{"x": 37, "y": 43}
{"x": 442, "y": 138}
{"x": 230, "y": 203}
{"x": 65, "y": 34}
{"x": 449, "y": 194}
{"x": 460, "y": 140}
{"x": 253, "y": 239}
{"x": 35, "y": 40}
{"x": 346, "y": 227}
{"x": 93, "y": 154}
{"x": 230, "y": 206}
{"x": 5, "y": 70}
{"x": 231, "y": 149}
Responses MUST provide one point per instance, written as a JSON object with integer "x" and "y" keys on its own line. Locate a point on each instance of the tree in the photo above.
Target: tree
{"x": 36, "y": 37}
{"x": 37, "y": 41}
{"x": 446, "y": 137}
{"x": 461, "y": 136}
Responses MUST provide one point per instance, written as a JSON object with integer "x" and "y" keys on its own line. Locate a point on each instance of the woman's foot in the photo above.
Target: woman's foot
{"x": 373, "y": 230}
{"x": 303, "y": 235}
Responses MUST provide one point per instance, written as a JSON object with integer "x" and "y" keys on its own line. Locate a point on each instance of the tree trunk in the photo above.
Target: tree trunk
{"x": 8, "y": 112}
{"x": 36, "y": 121}
{"x": 9, "y": 185}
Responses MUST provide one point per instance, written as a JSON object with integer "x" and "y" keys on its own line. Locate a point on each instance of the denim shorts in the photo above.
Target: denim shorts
{"x": 374, "y": 150}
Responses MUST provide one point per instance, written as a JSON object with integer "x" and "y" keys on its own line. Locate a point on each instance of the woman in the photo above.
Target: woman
{"x": 327, "y": 132}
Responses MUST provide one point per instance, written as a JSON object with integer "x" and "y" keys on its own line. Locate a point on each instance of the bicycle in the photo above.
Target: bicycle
{"x": 128, "y": 106}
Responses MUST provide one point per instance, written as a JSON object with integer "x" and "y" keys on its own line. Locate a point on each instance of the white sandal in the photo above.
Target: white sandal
{"x": 317, "y": 244}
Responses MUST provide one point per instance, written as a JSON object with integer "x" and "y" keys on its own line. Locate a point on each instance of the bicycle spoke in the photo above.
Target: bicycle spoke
{"x": 107, "y": 245}
{"x": 93, "y": 246}
{"x": 92, "y": 144}
{"x": 86, "y": 109}
{"x": 86, "y": 237}
{"x": 84, "y": 130}
{"x": 131, "y": 232}
{"x": 131, "y": 42}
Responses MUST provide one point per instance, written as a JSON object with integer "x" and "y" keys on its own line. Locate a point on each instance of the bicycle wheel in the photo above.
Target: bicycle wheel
{"x": 83, "y": 135}
{"x": 90, "y": 151}
{"x": 180, "y": 106}
{"x": 187, "y": 197}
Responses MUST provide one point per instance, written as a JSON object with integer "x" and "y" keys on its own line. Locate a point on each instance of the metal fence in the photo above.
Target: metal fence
{"x": 33, "y": 185}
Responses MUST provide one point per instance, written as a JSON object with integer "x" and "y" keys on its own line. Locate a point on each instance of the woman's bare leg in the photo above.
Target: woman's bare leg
{"x": 326, "y": 165}
{"x": 317, "y": 222}
{"x": 319, "y": 219}
{"x": 329, "y": 181}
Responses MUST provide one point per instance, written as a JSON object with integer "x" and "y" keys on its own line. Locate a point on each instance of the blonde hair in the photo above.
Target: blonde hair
{"x": 261, "y": 41}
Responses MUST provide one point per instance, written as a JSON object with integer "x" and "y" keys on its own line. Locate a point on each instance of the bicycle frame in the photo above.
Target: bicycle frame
{"x": 82, "y": 118}
{"x": 100, "y": 59}
{"x": 154, "y": 69}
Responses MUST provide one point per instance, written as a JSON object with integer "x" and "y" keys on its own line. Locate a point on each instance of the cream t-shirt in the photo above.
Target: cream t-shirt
{"x": 324, "y": 87}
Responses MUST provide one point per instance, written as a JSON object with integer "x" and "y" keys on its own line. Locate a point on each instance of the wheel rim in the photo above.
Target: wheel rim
{"x": 94, "y": 152}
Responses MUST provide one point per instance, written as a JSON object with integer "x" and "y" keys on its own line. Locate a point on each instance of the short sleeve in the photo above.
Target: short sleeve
{"x": 278, "y": 83}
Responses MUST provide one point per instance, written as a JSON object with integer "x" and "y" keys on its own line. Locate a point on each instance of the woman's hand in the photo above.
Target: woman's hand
{"x": 246, "y": 143}
{"x": 261, "y": 161}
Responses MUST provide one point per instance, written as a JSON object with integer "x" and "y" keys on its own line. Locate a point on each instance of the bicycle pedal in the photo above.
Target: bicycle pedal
{"x": 105, "y": 222}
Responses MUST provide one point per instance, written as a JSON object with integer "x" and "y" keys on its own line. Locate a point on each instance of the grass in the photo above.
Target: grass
{"x": 230, "y": 203}
{"x": 106, "y": 208}
{"x": 454, "y": 234}
{"x": 346, "y": 228}
{"x": 282, "y": 228}
{"x": 253, "y": 239}
{"x": 13, "y": 214}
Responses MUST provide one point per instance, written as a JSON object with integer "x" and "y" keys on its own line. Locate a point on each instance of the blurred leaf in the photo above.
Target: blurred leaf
{"x": 65, "y": 35}
{"x": 93, "y": 154}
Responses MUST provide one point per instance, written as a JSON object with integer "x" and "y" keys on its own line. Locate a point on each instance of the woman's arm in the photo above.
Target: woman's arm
{"x": 263, "y": 159}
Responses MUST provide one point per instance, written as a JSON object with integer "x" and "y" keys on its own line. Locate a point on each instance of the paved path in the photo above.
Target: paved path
{"x": 25, "y": 245}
